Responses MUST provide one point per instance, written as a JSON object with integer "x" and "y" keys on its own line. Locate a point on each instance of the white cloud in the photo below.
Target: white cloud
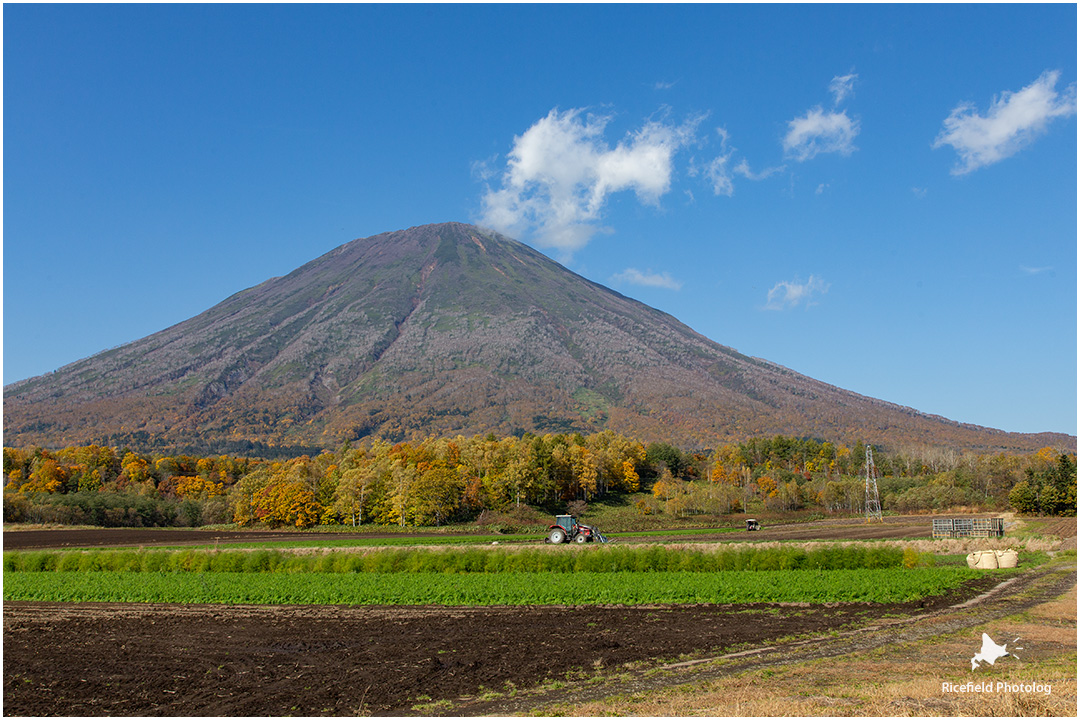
{"x": 1013, "y": 121}
{"x": 786, "y": 295}
{"x": 648, "y": 279}
{"x": 821, "y": 189}
{"x": 561, "y": 171}
{"x": 820, "y": 132}
{"x": 842, "y": 86}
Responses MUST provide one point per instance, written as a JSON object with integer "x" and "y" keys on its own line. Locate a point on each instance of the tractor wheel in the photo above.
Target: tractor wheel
{"x": 557, "y": 536}
{"x": 581, "y": 539}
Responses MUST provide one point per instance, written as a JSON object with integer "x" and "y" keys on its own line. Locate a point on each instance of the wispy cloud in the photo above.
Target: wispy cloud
{"x": 743, "y": 168}
{"x": 561, "y": 171}
{"x": 718, "y": 172}
{"x": 721, "y": 171}
{"x": 842, "y": 86}
{"x": 719, "y": 175}
{"x": 482, "y": 169}
{"x": 1013, "y": 121}
{"x": 1035, "y": 270}
{"x": 786, "y": 295}
{"x": 820, "y": 131}
{"x": 633, "y": 276}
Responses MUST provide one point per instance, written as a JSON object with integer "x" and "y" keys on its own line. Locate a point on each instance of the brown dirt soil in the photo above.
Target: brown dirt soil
{"x": 893, "y": 528}
{"x": 1062, "y": 527}
{"x": 16, "y": 539}
{"x": 129, "y": 659}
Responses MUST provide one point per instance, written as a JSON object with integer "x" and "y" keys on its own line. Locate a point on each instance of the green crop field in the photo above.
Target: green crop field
{"x": 473, "y": 576}
{"x": 543, "y": 588}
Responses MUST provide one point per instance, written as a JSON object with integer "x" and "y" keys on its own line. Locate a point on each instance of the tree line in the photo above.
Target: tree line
{"x": 445, "y": 480}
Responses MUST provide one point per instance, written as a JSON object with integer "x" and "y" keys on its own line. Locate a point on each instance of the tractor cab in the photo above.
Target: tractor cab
{"x": 568, "y": 523}
{"x": 752, "y": 524}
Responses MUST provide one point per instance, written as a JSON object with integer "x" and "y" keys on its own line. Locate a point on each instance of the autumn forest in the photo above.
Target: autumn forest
{"x": 438, "y": 481}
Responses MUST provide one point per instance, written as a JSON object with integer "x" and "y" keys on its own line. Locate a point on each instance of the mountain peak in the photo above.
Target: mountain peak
{"x": 443, "y": 329}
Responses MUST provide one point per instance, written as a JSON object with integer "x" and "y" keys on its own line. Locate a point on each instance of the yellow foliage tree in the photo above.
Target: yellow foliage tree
{"x": 290, "y": 503}
{"x": 197, "y": 488}
{"x": 583, "y": 464}
{"x": 630, "y": 476}
{"x": 135, "y": 468}
{"x": 49, "y": 477}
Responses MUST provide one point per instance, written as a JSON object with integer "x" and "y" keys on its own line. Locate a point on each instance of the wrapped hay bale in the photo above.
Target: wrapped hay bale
{"x": 987, "y": 560}
{"x": 1007, "y": 558}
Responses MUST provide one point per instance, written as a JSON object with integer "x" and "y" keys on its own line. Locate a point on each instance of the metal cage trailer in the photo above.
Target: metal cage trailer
{"x": 969, "y": 527}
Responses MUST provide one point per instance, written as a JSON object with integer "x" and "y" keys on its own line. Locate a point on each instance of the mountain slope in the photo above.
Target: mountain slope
{"x": 444, "y": 329}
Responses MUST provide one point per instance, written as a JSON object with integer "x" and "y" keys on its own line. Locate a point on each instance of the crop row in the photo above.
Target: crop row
{"x": 815, "y": 586}
{"x": 461, "y": 561}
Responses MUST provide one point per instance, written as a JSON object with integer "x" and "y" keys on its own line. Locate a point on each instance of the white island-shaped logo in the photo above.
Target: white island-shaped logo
{"x": 989, "y": 653}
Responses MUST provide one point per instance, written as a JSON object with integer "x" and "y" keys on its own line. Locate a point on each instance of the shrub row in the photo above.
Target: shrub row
{"x": 473, "y": 560}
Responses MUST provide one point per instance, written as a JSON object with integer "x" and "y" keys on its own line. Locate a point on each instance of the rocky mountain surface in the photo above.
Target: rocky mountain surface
{"x": 445, "y": 329}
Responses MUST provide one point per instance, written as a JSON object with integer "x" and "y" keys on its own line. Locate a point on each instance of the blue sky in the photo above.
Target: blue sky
{"x": 880, "y": 197}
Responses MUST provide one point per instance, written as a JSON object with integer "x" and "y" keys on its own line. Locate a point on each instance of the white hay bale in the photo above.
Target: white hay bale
{"x": 1007, "y": 558}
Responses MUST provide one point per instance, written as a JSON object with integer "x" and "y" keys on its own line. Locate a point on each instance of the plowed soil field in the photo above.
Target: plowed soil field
{"x": 126, "y": 659}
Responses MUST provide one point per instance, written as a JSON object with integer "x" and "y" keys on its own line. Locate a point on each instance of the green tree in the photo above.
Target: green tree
{"x": 661, "y": 453}
{"x": 436, "y": 494}
{"x": 1023, "y": 498}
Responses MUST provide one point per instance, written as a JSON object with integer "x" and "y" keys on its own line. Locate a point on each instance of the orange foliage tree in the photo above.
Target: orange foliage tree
{"x": 289, "y": 503}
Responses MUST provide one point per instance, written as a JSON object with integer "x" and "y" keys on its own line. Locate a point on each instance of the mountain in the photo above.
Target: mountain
{"x": 445, "y": 329}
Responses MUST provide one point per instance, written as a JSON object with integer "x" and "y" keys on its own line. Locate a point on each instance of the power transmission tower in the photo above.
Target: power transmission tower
{"x": 873, "y": 501}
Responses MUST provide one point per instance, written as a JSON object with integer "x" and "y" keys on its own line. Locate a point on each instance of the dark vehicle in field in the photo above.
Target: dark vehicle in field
{"x": 752, "y": 525}
{"x": 568, "y": 529}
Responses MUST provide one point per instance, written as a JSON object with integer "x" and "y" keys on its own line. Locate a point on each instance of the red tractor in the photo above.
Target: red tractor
{"x": 568, "y": 529}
